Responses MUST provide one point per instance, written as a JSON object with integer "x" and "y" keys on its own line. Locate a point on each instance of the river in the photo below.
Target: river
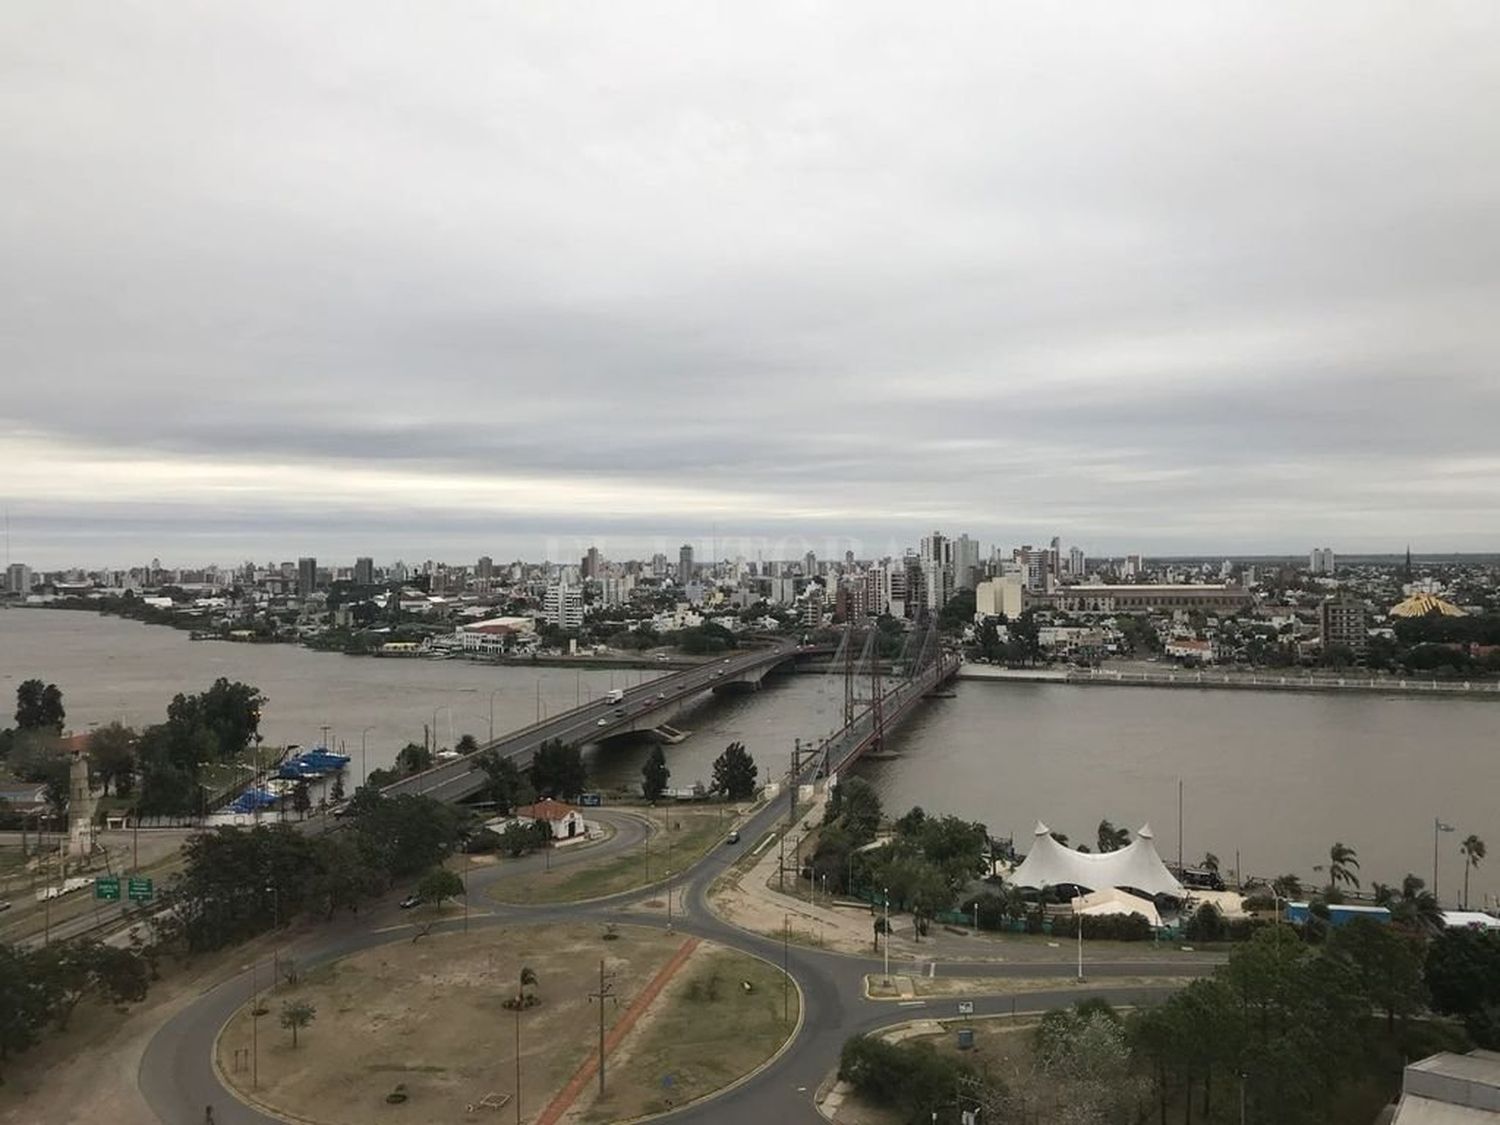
{"x": 1276, "y": 777}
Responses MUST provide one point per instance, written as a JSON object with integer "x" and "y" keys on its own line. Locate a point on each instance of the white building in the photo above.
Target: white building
{"x": 18, "y": 579}
{"x": 1321, "y": 561}
{"x": 996, "y": 596}
{"x": 563, "y": 606}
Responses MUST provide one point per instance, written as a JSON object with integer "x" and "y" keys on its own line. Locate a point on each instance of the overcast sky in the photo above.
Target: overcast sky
{"x": 447, "y": 279}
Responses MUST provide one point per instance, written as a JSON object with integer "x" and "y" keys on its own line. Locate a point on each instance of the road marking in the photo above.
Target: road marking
{"x": 764, "y": 844}
{"x": 392, "y": 929}
{"x": 911, "y": 1004}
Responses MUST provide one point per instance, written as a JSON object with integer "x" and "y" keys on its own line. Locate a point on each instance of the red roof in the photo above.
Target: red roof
{"x": 546, "y": 809}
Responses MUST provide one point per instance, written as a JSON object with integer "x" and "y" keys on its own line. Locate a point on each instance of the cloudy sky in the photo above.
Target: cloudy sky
{"x": 443, "y": 279}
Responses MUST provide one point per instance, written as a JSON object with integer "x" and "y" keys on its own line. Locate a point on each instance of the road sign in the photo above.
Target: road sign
{"x": 107, "y": 887}
{"x": 966, "y": 1007}
{"x": 140, "y": 889}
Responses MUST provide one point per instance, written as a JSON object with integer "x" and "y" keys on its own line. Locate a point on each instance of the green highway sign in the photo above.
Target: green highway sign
{"x": 107, "y": 887}
{"x": 139, "y": 888}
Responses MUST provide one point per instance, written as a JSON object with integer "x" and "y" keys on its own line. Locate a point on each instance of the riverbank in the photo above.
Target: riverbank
{"x": 1236, "y": 681}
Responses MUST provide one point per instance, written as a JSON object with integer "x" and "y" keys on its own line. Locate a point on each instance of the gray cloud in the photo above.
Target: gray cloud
{"x": 1176, "y": 279}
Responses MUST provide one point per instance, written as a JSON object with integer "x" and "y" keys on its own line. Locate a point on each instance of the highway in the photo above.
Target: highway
{"x": 643, "y": 708}
{"x": 177, "y": 1077}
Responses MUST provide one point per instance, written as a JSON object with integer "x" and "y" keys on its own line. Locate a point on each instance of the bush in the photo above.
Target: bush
{"x": 1206, "y": 924}
{"x": 911, "y": 1078}
{"x": 1104, "y": 927}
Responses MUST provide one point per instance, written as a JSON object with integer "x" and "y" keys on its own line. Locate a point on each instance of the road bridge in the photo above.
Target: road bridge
{"x": 641, "y": 709}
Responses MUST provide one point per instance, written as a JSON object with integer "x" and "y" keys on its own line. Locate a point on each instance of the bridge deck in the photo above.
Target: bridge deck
{"x": 642, "y": 708}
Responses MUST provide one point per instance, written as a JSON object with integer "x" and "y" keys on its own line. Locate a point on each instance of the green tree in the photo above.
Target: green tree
{"x": 855, "y": 806}
{"x": 1387, "y": 963}
{"x": 439, "y": 884}
{"x": 413, "y": 758}
{"x": 1287, "y": 886}
{"x": 557, "y": 770}
{"x": 404, "y": 834}
{"x": 1112, "y": 839}
{"x": 295, "y": 1015}
{"x": 526, "y": 994}
{"x": 505, "y": 785}
{"x": 23, "y": 1002}
{"x": 1473, "y": 851}
{"x": 734, "y": 772}
{"x": 112, "y": 757}
{"x": 39, "y": 706}
{"x": 655, "y": 774}
{"x": 1026, "y": 635}
{"x": 301, "y": 799}
{"x": 467, "y": 744}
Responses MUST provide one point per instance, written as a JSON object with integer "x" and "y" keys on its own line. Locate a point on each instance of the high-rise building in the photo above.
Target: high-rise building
{"x": 1321, "y": 561}
{"x": 563, "y": 605}
{"x": 1133, "y": 566}
{"x": 364, "y": 571}
{"x": 684, "y": 563}
{"x": 1077, "y": 563}
{"x": 1343, "y": 621}
{"x": 18, "y": 579}
{"x": 965, "y": 563}
{"x": 307, "y": 576}
{"x": 484, "y": 572}
{"x": 658, "y": 565}
{"x": 809, "y": 564}
{"x": 591, "y": 563}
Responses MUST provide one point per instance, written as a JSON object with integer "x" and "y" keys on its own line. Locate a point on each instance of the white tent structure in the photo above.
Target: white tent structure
{"x": 1136, "y": 866}
{"x": 1112, "y": 900}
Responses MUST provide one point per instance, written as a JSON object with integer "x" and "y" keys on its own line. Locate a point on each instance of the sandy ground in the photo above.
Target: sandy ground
{"x": 919, "y": 988}
{"x": 430, "y": 1015}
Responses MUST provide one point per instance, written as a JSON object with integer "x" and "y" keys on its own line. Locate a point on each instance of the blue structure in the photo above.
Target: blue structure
{"x": 315, "y": 763}
{"x": 1338, "y": 915}
{"x": 252, "y": 800}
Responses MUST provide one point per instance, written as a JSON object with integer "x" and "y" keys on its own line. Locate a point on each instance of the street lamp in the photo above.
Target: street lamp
{"x": 1437, "y": 826}
{"x": 885, "y": 893}
{"x": 493, "y": 693}
{"x": 364, "y": 762}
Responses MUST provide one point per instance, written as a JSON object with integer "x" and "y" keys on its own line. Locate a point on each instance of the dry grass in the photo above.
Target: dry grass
{"x": 703, "y": 1032}
{"x": 430, "y": 1015}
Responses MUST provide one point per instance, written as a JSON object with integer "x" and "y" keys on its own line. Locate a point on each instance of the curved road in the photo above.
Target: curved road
{"x": 177, "y": 1076}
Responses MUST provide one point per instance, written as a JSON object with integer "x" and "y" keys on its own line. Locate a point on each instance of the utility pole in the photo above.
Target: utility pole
{"x": 606, "y": 992}
{"x": 518, "y": 1060}
{"x": 786, "y": 976}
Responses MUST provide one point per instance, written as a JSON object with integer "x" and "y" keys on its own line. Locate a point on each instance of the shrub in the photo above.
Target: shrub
{"x": 1104, "y": 927}
{"x": 911, "y": 1078}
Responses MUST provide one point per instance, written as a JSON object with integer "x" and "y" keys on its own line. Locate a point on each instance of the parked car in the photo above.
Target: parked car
{"x": 4, "y": 905}
{"x": 411, "y": 900}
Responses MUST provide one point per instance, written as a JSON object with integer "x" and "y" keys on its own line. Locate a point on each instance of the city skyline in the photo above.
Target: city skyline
{"x": 1178, "y": 282}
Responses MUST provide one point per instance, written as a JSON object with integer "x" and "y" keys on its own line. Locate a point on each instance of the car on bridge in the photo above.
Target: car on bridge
{"x": 602, "y": 723}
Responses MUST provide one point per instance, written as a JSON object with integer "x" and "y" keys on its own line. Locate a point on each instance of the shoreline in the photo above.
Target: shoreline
{"x": 1395, "y": 687}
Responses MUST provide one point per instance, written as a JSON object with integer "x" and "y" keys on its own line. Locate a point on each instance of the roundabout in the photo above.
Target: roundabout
{"x": 181, "y": 1072}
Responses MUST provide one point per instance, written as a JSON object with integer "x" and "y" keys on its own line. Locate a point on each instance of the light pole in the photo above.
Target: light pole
{"x": 1437, "y": 826}
{"x": 492, "y": 715}
{"x": 364, "y": 761}
{"x": 885, "y": 893}
{"x": 1077, "y": 925}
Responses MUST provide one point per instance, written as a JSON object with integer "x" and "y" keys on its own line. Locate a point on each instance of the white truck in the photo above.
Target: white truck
{"x": 614, "y": 695}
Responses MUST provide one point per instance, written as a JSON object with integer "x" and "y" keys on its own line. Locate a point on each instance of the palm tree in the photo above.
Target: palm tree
{"x": 1287, "y": 886}
{"x": 1343, "y": 862}
{"x": 1211, "y": 862}
{"x": 1416, "y": 906}
{"x": 1473, "y": 851}
{"x": 1112, "y": 839}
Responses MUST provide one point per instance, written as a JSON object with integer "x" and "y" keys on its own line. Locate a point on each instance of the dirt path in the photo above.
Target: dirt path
{"x": 569, "y": 1093}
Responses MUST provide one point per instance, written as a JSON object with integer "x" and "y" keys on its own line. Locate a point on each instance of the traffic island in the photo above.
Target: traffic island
{"x": 428, "y": 1030}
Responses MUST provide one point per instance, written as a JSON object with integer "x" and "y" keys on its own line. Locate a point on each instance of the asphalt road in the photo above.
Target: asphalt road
{"x": 178, "y": 1080}
{"x": 638, "y": 710}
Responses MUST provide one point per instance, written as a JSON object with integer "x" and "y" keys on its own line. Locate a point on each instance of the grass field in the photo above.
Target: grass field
{"x": 705, "y": 1031}
{"x": 691, "y": 833}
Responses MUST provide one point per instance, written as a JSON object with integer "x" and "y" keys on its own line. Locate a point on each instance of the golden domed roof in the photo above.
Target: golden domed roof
{"x": 1421, "y": 604}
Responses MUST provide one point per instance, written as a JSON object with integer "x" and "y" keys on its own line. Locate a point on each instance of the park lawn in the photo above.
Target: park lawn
{"x": 701, "y": 1034}
{"x": 694, "y": 833}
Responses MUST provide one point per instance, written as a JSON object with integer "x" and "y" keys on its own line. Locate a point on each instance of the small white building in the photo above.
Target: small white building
{"x": 565, "y": 820}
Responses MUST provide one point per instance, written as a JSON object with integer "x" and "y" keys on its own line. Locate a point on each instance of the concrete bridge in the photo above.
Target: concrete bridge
{"x": 644, "y": 708}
